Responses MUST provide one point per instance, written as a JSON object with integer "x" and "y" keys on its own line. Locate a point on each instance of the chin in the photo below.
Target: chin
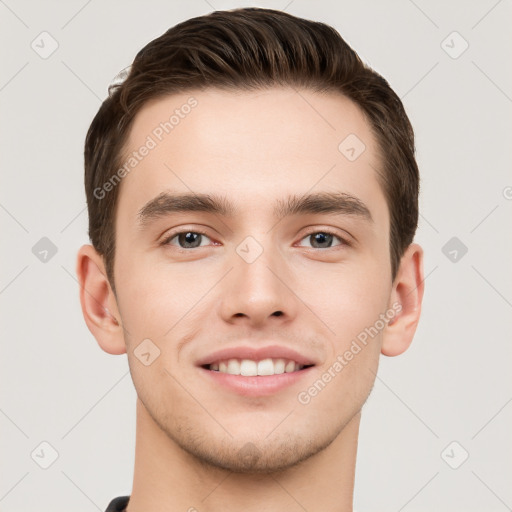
{"x": 258, "y": 457}
{"x": 251, "y": 447}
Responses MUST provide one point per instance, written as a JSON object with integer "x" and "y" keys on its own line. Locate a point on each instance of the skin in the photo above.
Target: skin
{"x": 209, "y": 448}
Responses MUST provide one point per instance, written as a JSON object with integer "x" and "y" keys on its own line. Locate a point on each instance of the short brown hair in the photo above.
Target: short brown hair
{"x": 247, "y": 49}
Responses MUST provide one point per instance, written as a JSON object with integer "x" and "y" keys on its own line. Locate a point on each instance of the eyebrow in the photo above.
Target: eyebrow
{"x": 339, "y": 203}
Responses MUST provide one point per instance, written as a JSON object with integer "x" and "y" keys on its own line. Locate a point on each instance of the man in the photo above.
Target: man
{"x": 253, "y": 199}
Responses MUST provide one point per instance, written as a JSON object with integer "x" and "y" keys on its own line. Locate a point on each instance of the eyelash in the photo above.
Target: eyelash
{"x": 344, "y": 241}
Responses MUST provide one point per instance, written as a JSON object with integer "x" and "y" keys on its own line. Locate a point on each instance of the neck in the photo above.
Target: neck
{"x": 168, "y": 479}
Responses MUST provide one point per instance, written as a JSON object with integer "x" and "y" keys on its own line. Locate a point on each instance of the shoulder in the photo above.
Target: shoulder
{"x": 118, "y": 504}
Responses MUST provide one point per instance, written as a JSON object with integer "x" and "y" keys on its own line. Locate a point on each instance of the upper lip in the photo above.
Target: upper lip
{"x": 255, "y": 354}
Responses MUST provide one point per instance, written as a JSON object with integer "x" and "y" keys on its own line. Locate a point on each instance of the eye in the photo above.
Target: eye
{"x": 324, "y": 239}
{"x": 186, "y": 239}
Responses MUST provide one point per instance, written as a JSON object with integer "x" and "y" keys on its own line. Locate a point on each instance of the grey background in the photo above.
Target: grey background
{"x": 453, "y": 384}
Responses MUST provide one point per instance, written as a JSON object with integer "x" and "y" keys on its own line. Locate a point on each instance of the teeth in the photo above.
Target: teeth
{"x": 266, "y": 367}
{"x": 249, "y": 368}
{"x": 279, "y": 365}
{"x": 290, "y": 367}
{"x": 233, "y": 367}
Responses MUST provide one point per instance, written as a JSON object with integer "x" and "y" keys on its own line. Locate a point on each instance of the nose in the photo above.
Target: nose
{"x": 258, "y": 292}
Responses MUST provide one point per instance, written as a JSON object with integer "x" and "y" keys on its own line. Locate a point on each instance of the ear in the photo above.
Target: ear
{"x": 99, "y": 304}
{"x": 407, "y": 291}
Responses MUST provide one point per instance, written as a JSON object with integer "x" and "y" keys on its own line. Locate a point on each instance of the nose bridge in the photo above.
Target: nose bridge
{"x": 256, "y": 286}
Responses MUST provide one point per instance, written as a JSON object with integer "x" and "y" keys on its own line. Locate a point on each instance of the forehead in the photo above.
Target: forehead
{"x": 251, "y": 145}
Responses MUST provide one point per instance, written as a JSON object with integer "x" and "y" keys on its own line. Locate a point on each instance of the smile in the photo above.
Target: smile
{"x": 252, "y": 368}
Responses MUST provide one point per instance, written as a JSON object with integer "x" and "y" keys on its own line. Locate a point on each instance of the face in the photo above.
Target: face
{"x": 249, "y": 276}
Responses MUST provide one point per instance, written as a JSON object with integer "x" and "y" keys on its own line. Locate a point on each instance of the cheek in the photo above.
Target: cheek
{"x": 157, "y": 295}
{"x": 340, "y": 388}
{"x": 346, "y": 298}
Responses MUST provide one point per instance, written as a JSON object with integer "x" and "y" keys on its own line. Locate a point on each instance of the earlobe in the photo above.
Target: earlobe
{"x": 99, "y": 305}
{"x": 407, "y": 291}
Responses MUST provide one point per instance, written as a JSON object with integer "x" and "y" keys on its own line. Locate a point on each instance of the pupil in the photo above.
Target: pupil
{"x": 323, "y": 238}
{"x": 189, "y": 239}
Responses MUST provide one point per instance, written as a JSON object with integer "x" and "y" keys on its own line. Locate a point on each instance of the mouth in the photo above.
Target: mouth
{"x": 253, "y": 368}
{"x": 255, "y": 371}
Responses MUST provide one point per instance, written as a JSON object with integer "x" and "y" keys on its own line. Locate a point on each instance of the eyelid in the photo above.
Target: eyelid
{"x": 169, "y": 235}
{"x": 345, "y": 240}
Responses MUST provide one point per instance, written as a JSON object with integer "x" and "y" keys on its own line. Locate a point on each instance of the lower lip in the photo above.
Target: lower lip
{"x": 262, "y": 385}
